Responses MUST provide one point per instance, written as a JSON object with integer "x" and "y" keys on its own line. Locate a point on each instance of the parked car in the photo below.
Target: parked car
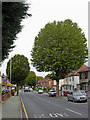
{"x": 26, "y": 89}
{"x": 83, "y": 92}
{"x": 77, "y": 97}
{"x": 52, "y": 93}
{"x": 30, "y": 90}
{"x": 40, "y": 91}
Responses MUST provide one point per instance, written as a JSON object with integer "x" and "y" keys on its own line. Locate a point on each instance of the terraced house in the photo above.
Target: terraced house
{"x": 45, "y": 82}
{"x": 73, "y": 81}
{"x": 84, "y": 81}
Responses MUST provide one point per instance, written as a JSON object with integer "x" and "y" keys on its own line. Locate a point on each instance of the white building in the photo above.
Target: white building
{"x": 73, "y": 81}
{"x": 70, "y": 83}
{"x": 61, "y": 82}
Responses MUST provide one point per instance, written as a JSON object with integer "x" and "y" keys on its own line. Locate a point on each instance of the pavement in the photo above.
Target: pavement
{"x": 11, "y": 108}
{"x": 0, "y": 110}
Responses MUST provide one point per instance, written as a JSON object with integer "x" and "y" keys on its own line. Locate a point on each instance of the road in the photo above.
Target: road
{"x": 43, "y": 106}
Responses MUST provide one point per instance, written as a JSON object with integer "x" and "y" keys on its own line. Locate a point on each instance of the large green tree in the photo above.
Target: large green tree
{"x": 31, "y": 78}
{"x": 60, "y": 47}
{"x": 12, "y": 15}
{"x": 19, "y": 67}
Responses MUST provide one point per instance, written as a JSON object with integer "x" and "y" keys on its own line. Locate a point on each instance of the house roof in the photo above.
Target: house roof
{"x": 87, "y": 69}
{"x": 43, "y": 80}
{"x": 72, "y": 73}
{"x": 81, "y": 68}
{"x": 76, "y": 72}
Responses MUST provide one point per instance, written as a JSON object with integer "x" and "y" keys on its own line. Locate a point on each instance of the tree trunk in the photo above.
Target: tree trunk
{"x": 57, "y": 87}
{"x": 17, "y": 89}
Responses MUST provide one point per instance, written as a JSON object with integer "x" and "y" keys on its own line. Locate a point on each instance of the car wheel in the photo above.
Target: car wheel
{"x": 68, "y": 99}
{"x": 73, "y": 100}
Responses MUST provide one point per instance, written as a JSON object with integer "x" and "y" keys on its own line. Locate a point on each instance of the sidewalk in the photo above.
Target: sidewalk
{"x": 0, "y": 110}
{"x": 11, "y": 107}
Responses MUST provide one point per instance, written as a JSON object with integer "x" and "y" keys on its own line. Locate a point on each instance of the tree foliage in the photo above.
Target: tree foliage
{"x": 31, "y": 78}
{"x": 60, "y": 47}
{"x": 39, "y": 78}
{"x": 52, "y": 76}
{"x": 19, "y": 68}
{"x": 12, "y": 15}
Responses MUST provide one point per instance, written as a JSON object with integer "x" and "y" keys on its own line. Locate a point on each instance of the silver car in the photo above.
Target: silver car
{"x": 40, "y": 91}
{"x": 77, "y": 97}
{"x": 52, "y": 93}
{"x": 26, "y": 89}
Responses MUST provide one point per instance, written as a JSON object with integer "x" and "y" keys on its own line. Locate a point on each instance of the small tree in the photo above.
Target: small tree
{"x": 31, "y": 79}
{"x": 19, "y": 69}
{"x": 38, "y": 78}
{"x": 60, "y": 47}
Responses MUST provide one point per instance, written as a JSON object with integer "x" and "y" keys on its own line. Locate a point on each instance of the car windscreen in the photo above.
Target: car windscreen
{"x": 77, "y": 94}
{"x": 40, "y": 90}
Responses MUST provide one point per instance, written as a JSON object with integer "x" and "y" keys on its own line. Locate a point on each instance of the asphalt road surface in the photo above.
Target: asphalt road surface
{"x": 43, "y": 106}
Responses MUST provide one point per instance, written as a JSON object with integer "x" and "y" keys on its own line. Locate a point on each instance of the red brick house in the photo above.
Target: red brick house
{"x": 45, "y": 82}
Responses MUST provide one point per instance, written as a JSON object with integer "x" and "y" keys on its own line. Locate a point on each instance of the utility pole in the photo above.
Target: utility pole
{"x": 10, "y": 68}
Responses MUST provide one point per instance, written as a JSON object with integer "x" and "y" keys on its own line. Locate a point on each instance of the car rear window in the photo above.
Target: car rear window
{"x": 52, "y": 91}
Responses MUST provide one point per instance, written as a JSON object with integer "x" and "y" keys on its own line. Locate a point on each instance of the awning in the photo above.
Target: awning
{"x": 10, "y": 84}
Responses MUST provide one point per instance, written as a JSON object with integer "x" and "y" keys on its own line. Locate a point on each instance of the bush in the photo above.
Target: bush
{"x": 39, "y": 88}
{"x": 16, "y": 88}
{"x": 44, "y": 88}
{"x": 49, "y": 88}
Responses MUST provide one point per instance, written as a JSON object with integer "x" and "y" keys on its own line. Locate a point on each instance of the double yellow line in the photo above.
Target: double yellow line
{"x": 24, "y": 108}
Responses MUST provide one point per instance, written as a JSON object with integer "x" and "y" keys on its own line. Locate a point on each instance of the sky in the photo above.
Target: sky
{"x": 44, "y": 11}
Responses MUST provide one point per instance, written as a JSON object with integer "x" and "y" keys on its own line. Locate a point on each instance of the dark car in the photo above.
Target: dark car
{"x": 77, "y": 97}
{"x": 52, "y": 93}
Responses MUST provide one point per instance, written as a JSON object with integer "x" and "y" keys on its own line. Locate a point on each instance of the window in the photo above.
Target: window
{"x": 66, "y": 87}
{"x": 49, "y": 82}
{"x": 73, "y": 78}
{"x": 86, "y": 75}
{"x": 80, "y": 75}
{"x": 70, "y": 87}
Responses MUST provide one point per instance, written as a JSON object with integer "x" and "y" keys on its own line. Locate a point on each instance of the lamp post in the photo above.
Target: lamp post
{"x": 10, "y": 68}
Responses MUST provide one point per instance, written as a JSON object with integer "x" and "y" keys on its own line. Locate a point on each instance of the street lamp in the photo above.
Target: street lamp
{"x": 10, "y": 68}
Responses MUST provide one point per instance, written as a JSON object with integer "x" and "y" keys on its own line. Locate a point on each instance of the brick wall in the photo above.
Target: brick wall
{"x": 46, "y": 82}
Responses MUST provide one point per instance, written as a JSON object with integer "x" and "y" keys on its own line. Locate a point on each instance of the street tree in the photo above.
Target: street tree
{"x": 31, "y": 78}
{"x": 12, "y": 15}
{"x": 19, "y": 68}
{"x": 38, "y": 78}
{"x": 59, "y": 48}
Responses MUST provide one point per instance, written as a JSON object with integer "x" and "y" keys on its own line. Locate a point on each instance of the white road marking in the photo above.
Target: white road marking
{"x": 35, "y": 116}
{"x": 59, "y": 114}
{"x": 42, "y": 115}
{"x": 65, "y": 114}
{"x": 73, "y": 111}
{"x": 53, "y": 115}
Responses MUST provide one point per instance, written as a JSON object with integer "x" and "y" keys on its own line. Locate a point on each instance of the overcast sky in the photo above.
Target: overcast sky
{"x": 44, "y": 11}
